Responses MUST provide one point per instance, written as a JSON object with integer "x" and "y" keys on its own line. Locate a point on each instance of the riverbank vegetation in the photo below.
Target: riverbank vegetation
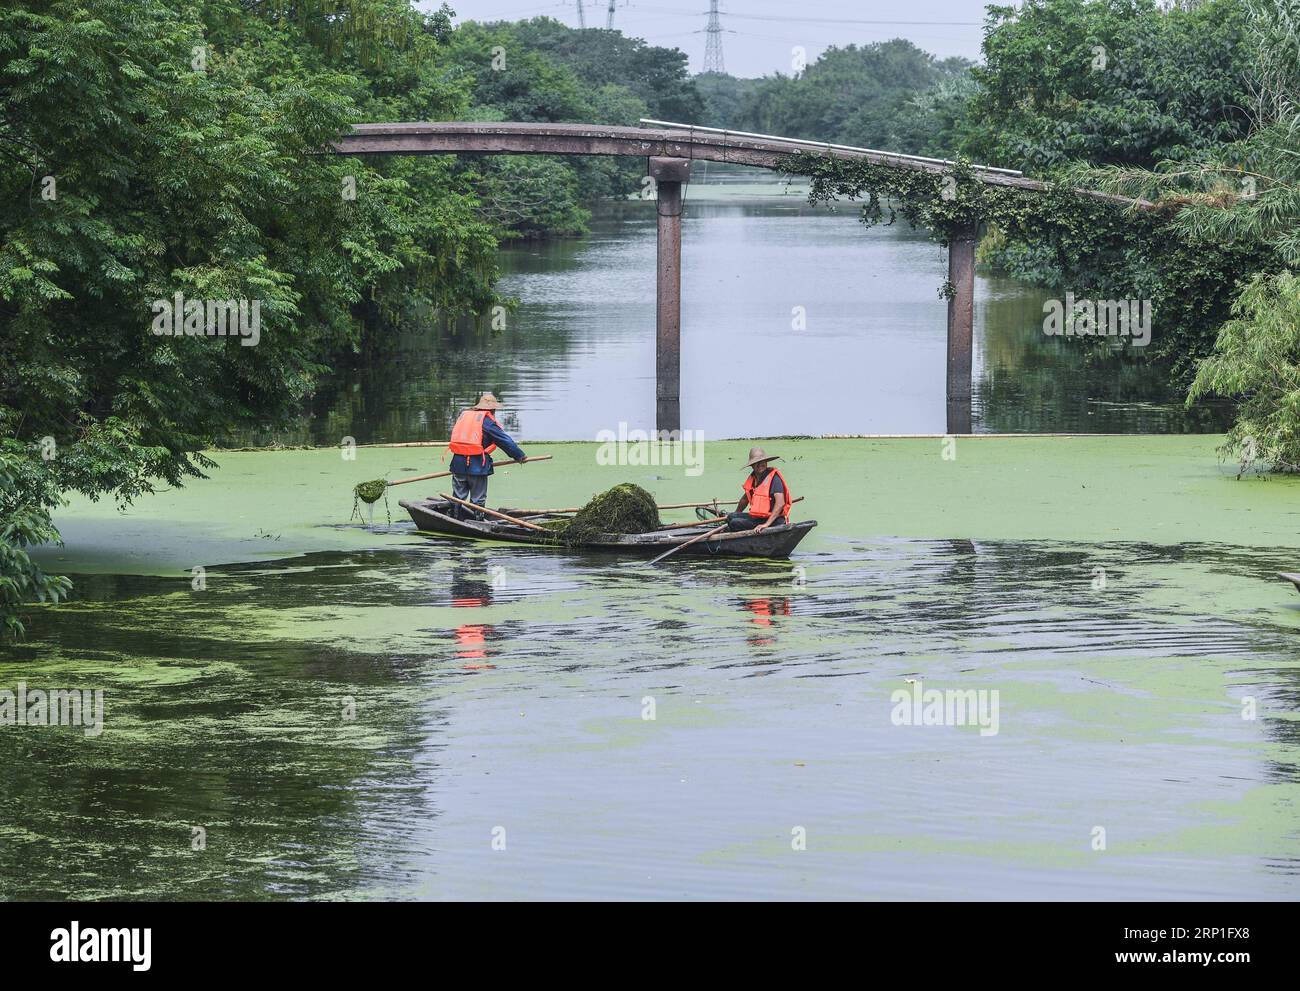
{"x": 150, "y": 148}
{"x": 1247, "y": 190}
{"x": 1193, "y": 107}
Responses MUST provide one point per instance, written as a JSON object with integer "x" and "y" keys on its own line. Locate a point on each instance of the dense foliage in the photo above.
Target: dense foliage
{"x": 1107, "y": 82}
{"x": 889, "y": 95}
{"x": 1257, "y": 359}
{"x": 147, "y": 149}
{"x": 540, "y": 70}
{"x": 26, "y": 497}
{"x": 1249, "y": 191}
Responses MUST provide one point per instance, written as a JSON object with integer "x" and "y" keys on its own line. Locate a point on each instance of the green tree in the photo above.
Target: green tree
{"x": 542, "y": 71}
{"x": 1256, "y": 360}
{"x": 863, "y": 96}
{"x": 658, "y": 77}
{"x": 1108, "y": 82}
{"x": 147, "y": 149}
{"x": 1248, "y": 191}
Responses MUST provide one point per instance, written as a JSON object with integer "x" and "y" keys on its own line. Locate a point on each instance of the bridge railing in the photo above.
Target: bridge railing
{"x": 828, "y": 146}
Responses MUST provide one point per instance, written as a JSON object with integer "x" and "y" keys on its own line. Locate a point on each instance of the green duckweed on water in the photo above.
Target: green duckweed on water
{"x": 347, "y": 710}
{"x": 1165, "y": 489}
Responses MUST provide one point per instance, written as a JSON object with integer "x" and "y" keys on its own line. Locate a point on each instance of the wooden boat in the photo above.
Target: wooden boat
{"x": 1292, "y": 577}
{"x": 430, "y": 516}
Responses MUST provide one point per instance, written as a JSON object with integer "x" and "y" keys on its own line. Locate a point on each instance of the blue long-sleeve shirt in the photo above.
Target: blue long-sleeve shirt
{"x": 473, "y": 464}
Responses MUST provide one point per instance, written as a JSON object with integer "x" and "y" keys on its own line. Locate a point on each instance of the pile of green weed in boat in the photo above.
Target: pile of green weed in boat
{"x": 625, "y": 508}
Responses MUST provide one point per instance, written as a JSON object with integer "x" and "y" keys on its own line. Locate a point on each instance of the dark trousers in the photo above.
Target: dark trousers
{"x": 743, "y": 521}
{"x": 471, "y": 488}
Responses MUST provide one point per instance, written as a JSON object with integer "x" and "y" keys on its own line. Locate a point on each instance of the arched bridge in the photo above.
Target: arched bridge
{"x": 669, "y": 149}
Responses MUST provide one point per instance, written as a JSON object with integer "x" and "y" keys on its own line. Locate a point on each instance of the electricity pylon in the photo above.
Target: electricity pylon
{"x": 713, "y": 43}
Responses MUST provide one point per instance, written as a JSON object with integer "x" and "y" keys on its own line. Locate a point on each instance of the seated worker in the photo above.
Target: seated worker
{"x": 767, "y": 498}
{"x": 473, "y": 439}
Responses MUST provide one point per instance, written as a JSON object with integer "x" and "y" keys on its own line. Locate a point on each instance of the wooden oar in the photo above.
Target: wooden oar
{"x": 493, "y": 512}
{"x": 444, "y": 474}
{"x": 693, "y": 540}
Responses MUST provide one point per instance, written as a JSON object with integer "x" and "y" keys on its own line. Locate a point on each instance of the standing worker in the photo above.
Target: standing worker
{"x": 473, "y": 439}
{"x": 766, "y": 499}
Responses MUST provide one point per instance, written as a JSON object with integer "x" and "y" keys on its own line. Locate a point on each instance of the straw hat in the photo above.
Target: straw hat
{"x": 487, "y": 401}
{"x": 757, "y": 456}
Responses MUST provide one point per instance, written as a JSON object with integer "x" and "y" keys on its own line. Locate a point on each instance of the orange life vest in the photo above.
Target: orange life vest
{"x": 467, "y": 434}
{"x": 760, "y": 496}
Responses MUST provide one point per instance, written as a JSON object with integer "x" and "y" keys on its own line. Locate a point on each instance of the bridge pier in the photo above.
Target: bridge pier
{"x": 670, "y": 174}
{"x": 961, "y": 329}
{"x": 664, "y": 145}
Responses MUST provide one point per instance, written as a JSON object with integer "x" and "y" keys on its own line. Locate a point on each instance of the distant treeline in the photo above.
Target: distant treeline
{"x": 540, "y": 70}
{"x": 1119, "y": 83}
{"x": 889, "y": 95}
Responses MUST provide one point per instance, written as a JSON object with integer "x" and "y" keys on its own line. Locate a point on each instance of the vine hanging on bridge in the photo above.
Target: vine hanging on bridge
{"x": 1085, "y": 243}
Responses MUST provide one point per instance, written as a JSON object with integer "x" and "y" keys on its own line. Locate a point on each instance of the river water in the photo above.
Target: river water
{"x": 797, "y": 320}
{"x": 331, "y": 710}
{"x": 358, "y": 712}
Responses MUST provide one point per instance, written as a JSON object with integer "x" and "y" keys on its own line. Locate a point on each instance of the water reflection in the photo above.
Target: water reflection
{"x": 227, "y": 710}
{"x": 1027, "y": 382}
{"x": 472, "y": 638}
{"x": 763, "y": 610}
{"x": 868, "y": 356}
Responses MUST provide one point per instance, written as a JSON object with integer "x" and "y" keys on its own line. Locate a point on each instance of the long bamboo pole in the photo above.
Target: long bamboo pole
{"x": 411, "y": 443}
{"x": 444, "y": 474}
{"x": 691, "y": 524}
{"x": 492, "y": 512}
{"x": 561, "y": 512}
{"x": 693, "y": 540}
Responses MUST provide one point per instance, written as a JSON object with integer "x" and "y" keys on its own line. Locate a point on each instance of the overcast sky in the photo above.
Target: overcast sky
{"x": 758, "y": 35}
